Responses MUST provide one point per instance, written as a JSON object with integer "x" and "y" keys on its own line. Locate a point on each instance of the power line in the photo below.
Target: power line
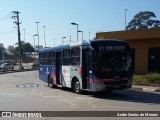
{"x": 5, "y": 17}
{"x": 8, "y": 32}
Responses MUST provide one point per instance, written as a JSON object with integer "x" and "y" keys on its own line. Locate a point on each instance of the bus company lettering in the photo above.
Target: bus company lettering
{"x": 111, "y": 48}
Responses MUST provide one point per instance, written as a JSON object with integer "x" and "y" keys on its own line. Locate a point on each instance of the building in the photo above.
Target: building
{"x": 38, "y": 48}
{"x": 145, "y": 46}
{"x": 10, "y": 47}
{"x": 1, "y": 45}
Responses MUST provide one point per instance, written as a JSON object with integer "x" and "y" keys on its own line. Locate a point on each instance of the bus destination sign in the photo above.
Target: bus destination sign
{"x": 114, "y": 48}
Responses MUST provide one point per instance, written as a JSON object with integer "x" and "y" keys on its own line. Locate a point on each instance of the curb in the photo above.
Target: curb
{"x": 157, "y": 90}
{"x": 18, "y": 71}
{"x": 145, "y": 89}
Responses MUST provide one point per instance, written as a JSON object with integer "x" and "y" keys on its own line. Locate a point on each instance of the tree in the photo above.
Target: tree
{"x": 26, "y": 47}
{"x": 143, "y": 20}
{"x": 1, "y": 52}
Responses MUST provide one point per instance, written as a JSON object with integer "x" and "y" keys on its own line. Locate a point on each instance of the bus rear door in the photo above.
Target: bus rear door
{"x": 85, "y": 67}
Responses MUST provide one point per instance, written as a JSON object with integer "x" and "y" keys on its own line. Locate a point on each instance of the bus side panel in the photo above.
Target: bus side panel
{"x": 66, "y": 79}
{"x": 53, "y": 74}
{"x": 48, "y": 72}
{"x": 76, "y": 72}
{"x": 42, "y": 73}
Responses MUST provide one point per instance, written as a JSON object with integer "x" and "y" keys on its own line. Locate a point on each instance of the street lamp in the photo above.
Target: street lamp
{"x": 82, "y": 34}
{"x": 125, "y": 17}
{"x": 37, "y": 34}
{"x": 54, "y": 42}
{"x": 77, "y": 29}
{"x": 44, "y": 35}
{"x": 89, "y": 35}
{"x": 24, "y": 34}
{"x": 62, "y": 39}
{"x": 70, "y": 39}
{"x": 34, "y": 43}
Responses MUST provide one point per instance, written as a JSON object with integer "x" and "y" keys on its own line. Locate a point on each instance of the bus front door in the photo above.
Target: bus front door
{"x": 58, "y": 67}
{"x": 85, "y": 68}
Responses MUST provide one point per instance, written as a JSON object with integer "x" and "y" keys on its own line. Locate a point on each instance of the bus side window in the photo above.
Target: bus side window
{"x": 41, "y": 58}
{"x": 75, "y": 56}
{"x": 52, "y": 58}
{"x": 66, "y": 57}
{"x": 46, "y": 58}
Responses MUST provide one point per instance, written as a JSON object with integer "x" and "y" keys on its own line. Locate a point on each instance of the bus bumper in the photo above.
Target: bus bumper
{"x": 95, "y": 87}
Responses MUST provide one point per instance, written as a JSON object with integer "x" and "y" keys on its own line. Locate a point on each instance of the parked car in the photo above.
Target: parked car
{"x": 11, "y": 62}
{"x": 6, "y": 66}
{"x": 35, "y": 64}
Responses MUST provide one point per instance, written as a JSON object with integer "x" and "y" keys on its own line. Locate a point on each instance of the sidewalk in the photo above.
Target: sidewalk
{"x": 146, "y": 88}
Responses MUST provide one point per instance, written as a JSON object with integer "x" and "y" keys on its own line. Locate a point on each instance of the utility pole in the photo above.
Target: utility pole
{"x": 125, "y": 18}
{"x": 24, "y": 34}
{"x": 16, "y": 17}
{"x": 44, "y": 35}
{"x": 70, "y": 39}
{"x": 37, "y": 34}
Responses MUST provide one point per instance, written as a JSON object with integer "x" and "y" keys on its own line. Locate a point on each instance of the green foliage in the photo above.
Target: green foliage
{"x": 16, "y": 51}
{"x": 26, "y": 47}
{"x": 153, "y": 78}
{"x": 143, "y": 20}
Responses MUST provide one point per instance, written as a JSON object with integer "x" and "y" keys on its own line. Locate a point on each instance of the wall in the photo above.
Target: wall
{"x": 141, "y": 40}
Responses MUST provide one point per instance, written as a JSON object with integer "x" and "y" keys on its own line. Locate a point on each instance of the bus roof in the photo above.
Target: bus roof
{"x": 61, "y": 47}
{"x": 79, "y": 43}
{"x": 57, "y": 48}
{"x": 107, "y": 40}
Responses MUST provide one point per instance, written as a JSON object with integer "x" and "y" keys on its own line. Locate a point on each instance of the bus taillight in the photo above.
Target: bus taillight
{"x": 91, "y": 80}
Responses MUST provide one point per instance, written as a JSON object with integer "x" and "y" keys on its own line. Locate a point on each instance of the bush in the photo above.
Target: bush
{"x": 153, "y": 78}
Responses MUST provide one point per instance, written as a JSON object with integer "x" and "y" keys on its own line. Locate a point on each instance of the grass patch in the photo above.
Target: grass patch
{"x": 148, "y": 79}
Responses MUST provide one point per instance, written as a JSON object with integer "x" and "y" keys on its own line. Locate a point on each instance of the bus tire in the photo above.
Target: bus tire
{"x": 76, "y": 86}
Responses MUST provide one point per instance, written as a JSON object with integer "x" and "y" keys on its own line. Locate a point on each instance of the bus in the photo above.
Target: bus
{"x": 95, "y": 65}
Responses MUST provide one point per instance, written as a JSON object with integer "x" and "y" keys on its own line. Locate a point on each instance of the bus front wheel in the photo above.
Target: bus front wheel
{"x": 76, "y": 86}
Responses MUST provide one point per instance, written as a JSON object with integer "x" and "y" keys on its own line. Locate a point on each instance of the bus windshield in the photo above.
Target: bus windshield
{"x": 112, "y": 64}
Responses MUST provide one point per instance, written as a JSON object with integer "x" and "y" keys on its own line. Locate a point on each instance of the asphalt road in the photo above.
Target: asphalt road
{"x": 23, "y": 91}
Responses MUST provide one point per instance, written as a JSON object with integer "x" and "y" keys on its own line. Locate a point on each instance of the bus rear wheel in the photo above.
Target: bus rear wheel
{"x": 76, "y": 86}
{"x": 50, "y": 82}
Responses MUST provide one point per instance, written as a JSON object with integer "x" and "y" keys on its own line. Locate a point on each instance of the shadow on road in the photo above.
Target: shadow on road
{"x": 123, "y": 95}
{"x": 130, "y": 96}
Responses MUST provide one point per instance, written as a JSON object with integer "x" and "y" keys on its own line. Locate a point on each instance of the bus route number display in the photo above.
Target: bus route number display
{"x": 111, "y": 48}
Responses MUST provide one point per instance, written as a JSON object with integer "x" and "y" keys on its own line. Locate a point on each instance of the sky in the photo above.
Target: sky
{"x": 92, "y": 16}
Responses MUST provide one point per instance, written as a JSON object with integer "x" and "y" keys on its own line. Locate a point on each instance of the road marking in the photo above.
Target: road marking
{"x": 149, "y": 89}
{"x": 29, "y": 85}
{"x": 81, "y": 98}
{"x": 11, "y": 94}
{"x": 61, "y": 100}
{"x": 51, "y": 96}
